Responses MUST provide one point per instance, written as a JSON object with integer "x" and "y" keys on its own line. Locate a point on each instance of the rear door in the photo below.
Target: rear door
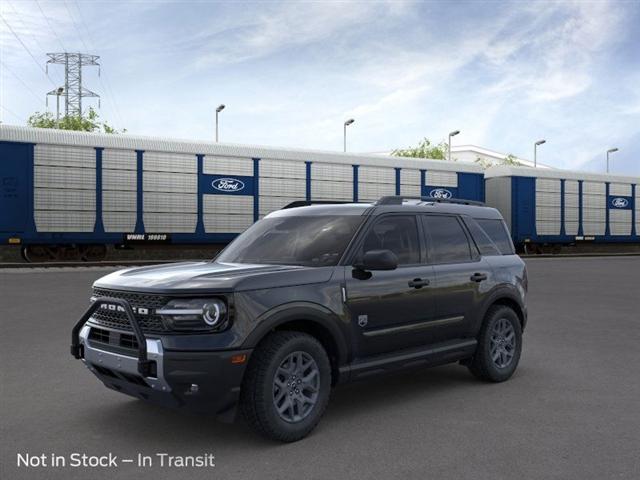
{"x": 461, "y": 275}
{"x": 14, "y": 198}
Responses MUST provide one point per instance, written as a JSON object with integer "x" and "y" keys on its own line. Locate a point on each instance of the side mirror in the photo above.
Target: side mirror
{"x": 377, "y": 260}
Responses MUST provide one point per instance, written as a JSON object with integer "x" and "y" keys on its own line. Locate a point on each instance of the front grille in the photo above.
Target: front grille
{"x": 118, "y": 320}
{"x": 113, "y": 341}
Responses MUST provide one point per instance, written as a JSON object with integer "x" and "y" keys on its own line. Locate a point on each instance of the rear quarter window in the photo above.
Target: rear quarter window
{"x": 497, "y": 231}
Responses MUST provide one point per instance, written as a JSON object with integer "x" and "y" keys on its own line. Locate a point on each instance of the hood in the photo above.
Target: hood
{"x": 212, "y": 277}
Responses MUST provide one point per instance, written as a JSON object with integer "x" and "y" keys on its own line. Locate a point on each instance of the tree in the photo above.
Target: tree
{"x": 424, "y": 150}
{"x": 88, "y": 123}
{"x": 510, "y": 160}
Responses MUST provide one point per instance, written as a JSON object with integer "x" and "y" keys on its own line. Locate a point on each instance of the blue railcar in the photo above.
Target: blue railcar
{"x": 549, "y": 207}
{"x": 78, "y": 192}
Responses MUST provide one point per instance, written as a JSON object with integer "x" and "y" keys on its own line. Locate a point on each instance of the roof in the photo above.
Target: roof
{"x": 14, "y": 133}
{"x": 494, "y": 154}
{"x": 508, "y": 171}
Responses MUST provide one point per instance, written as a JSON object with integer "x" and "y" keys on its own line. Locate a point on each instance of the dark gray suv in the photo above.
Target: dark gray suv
{"x": 307, "y": 298}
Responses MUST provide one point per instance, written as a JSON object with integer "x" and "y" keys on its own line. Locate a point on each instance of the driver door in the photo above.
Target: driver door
{"x": 387, "y": 313}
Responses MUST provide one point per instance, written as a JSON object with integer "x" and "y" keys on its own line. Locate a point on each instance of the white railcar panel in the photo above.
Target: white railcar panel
{"x": 593, "y": 228}
{"x": 548, "y": 199}
{"x": 620, "y": 189}
{"x": 331, "y": 171}
{"x": 227, "y": 166}
{"x": 170, "y": 202}
{"x": 121, "y": 180}
{"x": 214, "y": 223}
{"x": 571, "y": 228}
{"x": 327, "y": 190}
{"x": 64, "y": 199}
{"x": 113, "y": 201}
{"x": 409, "y": 176}
{"x": 548, "y": 227}
{"x": 594, "y": 201}
{"x": 436, "y": 178}
{"x": 284, "y": 187}
{"x": 370, "y": 192}
{"x": 571, "y": 200}
{"x": 65, "y": 177}
{"x": 547, "y": 185}
{"x": 119, "y": 221}
{"x": 282, "y": 169}
{"x": 594, "y": 215}
{"x": 64, "y": 156}
{"x": 169, "y": 162}
{"x": 119, "y": 159}
{"x": 571, "y": 186}
{"x": 64, "y": 221}
{"x": 227, "y": 204}
{"x": 170, "y": 222}
{"x": 620, "y": 222}
{"x": 594, "y": 188}
{"x": 378, "y": 175}
{"x": 411, "y": 190}
{"x": 170, "y": 182}
{"x": 271, "y": 204}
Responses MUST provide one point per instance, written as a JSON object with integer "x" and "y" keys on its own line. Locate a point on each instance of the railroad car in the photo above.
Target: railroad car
{"x": 67, "y": 195}
{"x": 548, "y": 208}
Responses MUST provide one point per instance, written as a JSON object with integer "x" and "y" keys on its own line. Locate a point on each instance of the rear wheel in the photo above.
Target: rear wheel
{"x": 499, "y": 345}
{"x": 287, "y": 385}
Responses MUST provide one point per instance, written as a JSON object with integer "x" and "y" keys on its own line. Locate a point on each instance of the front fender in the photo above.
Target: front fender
{"x": 318, "y": 314}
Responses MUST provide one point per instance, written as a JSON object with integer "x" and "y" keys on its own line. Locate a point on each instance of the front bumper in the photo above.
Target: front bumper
{"x": 202, "y": 381}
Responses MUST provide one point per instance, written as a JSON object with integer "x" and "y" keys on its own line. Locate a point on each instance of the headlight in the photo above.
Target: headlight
{"x": 195, "y": 314}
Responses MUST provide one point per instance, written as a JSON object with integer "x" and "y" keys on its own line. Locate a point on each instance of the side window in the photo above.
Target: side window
{"x": 498, "y": 233}
{"x": 448, "y": 240}
{"x": 484, "y": 243}
{"x": 398, "y": 234}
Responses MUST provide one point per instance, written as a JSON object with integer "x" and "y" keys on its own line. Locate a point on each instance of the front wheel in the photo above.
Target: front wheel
{"x": 499, "y": 345}
{"x": 287, "y": 385}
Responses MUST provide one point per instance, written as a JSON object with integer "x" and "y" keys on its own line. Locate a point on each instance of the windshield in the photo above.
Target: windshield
{"x": 316, "y": 241}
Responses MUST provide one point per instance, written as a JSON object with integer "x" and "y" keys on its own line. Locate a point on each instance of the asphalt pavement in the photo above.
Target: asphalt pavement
{"x": 572, "y": 411}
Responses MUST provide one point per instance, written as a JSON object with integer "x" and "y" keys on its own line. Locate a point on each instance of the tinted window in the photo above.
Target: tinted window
{"x": 448, "y": 242}
{"x": 497, "y": 231}
{"x": 484, "y": 243}
{"x": 311, "y": 241}
{"x": 398, "y": 234}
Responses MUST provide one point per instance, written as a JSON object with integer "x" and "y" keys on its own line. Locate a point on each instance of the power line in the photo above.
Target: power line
{"x": 28, "y": 51}
{"x": 75, "y": 25}
{"x": 24, "y": 26}
{"x": 51, "y": 27}
{"x": 6, "y": 67}
{"x": 106, "y": 85}
{"x": 12, "y": 113}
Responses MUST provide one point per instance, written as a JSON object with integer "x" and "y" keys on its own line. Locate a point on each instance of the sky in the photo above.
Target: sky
{"x": 290, "y": 73}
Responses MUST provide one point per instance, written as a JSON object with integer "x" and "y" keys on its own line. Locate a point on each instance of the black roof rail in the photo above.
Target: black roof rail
{"x": 398, "y": 199}
{"x": 307, "y": 203}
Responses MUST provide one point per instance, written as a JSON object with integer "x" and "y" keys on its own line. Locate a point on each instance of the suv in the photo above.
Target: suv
{"x": 307, "y": 298}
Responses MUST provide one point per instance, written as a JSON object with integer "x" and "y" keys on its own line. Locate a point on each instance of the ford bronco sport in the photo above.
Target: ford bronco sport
{"x": 307, "y": 298}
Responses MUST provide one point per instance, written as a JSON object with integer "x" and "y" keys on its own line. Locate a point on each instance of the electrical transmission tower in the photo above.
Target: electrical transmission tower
{"x": 73, "y": 91}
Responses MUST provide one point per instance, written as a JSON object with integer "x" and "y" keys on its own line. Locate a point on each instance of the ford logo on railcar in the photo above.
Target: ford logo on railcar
{"x": 228, "y": 184}
{"x": 620, "y": 202}
{"x": 440, "y": 193}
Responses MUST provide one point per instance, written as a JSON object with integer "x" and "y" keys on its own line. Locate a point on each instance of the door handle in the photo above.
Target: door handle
{"x": 418, "y": 283}
{"x": 478, "y": 277}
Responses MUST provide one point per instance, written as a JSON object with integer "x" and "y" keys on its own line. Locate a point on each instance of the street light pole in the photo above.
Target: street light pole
{"x": 346, "y": 124}
{"x": 611, "y": 150}
{"x": 58, "y": 93}
{"x": 452, "y": 134}
{"x": 535, "y": 152}
{"x": 218, "y": 110}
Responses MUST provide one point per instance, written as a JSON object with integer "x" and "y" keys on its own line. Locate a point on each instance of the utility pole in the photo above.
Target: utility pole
{"x": 73, "y": 90}
{"x": 344, "y": 136}
{"x": 218, "y": 110}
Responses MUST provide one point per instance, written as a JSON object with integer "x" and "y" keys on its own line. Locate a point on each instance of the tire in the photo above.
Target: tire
{"x": 269, "y": 383}
{"x": 501, "y": 324}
